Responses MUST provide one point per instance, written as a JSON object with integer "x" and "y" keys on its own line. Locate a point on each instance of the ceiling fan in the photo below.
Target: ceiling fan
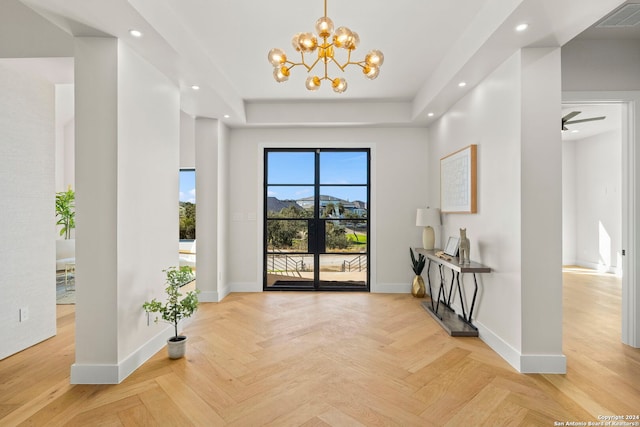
{"x": 566, "y": 120}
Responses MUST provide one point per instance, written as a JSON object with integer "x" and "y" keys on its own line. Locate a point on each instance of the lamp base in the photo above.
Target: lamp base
{"x": 428, "y": 238}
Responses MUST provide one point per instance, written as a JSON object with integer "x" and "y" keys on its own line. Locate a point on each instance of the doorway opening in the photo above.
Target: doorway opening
{"x": 187, "y": 211}
{"x": 592, "y": 187}
{"x": 597, "y": 185}
{"x": 316, "y": 219}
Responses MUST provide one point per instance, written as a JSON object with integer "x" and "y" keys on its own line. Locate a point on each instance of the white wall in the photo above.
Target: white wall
{"x": 223, "y": 234}
{"x": 398, "y": 187}
{"x": 596, "y": 193}
{"x": 148, "y": 177}
{"x": 27, "y": 201}
{"x": 517, "y": 229}
{"x": 599, "y": 65}
{"x": 64, "y": 152}
{"x": 489, "y": 117}
{"x": 187, "y": 141}
{"x": 127, "y": 161}
{"x": 208, "y": 201}
{"x": 569, "y": 212}
{"x": 25, "y": 34}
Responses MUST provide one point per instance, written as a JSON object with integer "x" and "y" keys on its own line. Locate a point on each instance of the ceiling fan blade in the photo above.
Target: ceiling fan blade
{"x": 586, "y": 120}
{"x": 570, "y": 115}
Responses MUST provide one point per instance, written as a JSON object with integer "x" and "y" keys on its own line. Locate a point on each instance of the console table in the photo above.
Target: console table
{"x": 440, "y": 307}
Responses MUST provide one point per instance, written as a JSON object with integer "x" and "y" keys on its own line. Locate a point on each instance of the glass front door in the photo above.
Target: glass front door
{"x": 316, "y": 219}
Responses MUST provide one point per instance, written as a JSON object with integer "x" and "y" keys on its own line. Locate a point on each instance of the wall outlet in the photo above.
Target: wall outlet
{"x": 24, "y": 314}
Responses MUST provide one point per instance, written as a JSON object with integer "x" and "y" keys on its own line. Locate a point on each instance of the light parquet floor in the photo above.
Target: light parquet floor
{"x": 336, "y": 359}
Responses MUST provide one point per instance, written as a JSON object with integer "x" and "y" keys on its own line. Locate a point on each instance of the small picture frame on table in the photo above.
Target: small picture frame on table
{"x": 451, "y": 248}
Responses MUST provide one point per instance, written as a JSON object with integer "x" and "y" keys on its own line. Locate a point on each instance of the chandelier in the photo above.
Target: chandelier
{"x": 326, "y": 42}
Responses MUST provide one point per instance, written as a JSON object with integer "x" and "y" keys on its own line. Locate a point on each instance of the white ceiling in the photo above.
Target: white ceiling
{"x": 222, "y": 46}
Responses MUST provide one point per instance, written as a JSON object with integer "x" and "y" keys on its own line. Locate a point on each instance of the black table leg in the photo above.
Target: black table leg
{"x": 475, "y": 293}
{"x": 464, "y": 314}
{"x": 429, "y": 283}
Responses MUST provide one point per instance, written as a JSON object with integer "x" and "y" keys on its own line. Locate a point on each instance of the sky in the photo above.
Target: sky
{"x": 188, "y": 186}
{"x": 336, "y": 167}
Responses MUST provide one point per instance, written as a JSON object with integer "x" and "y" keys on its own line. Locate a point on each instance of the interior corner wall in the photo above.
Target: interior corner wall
{"x": 207, "y": 194}
{"x": 96, "y": 202}
{"x": 541, "y": 211}
{"x": 27, "y": 179}
{"x": 223, "y": 235}
{"x": 492, "y": 117}
{"x": 489, "y": 116}
{"x": 569, "y": 210}
{"x": 127, "y": 161}
{"x": 398, "y": 187}
{"x": 598, "y": 201}
{"x": 187, "y": 141}
{"x": 147, "y": 186}
{"x": 65, "y": 134}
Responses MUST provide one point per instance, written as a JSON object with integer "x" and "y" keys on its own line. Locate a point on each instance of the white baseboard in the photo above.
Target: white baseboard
{"x": 116, "y": 373}
{"x": 543, "y": 364}
{"x": 391, "y": 288}
{"x": 523, "y": 363}
{"x": 245, "y": 287}
{"x": 222, "y": 293}
{"x": 208, "y": 296}
{"x": 599, "y": 267}
{"x": 497, "y": 344}
{"x": 95, "y": 374}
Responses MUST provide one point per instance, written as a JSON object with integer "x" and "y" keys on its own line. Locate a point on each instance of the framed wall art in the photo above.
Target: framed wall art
{"x": 458, "y": 192}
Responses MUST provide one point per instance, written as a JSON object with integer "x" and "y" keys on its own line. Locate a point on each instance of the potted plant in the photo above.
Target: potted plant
{"x": 65, "y": 212}
{"x": 417, "y": 288}
{"x": 176, "y": 308}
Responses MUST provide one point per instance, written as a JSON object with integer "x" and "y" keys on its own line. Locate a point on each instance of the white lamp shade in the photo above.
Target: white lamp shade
{"x": 427, "y": 217}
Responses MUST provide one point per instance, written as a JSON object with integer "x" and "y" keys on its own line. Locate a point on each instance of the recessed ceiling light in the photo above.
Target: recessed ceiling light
{"x": 226, "y": 116}
{"x": 135, "y": 33}
{"x": 195, "y": 87}
{"x": 430, "y": 114}
{"x": 522, "y": 27}
{"x": 462, "y": 84}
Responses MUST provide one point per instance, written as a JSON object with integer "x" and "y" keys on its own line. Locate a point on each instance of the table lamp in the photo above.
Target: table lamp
{"x": 428, "y": 217}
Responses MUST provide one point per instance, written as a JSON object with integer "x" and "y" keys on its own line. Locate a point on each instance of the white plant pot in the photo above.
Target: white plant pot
{"x": 177, "y": 347}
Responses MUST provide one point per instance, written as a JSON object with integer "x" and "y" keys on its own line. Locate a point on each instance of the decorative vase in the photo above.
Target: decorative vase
{"x": 177, "y": 347}
{"x": 417, "y": 288}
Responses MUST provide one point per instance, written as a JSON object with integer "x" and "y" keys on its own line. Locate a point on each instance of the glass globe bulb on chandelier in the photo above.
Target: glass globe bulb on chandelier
{"x": 325, "y": 41}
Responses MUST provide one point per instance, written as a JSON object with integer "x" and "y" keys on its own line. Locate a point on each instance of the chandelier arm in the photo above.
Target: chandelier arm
{"x": 361, "y": 64}
{"x": 293, "y": 64}
{"x": 342, "y": 67}
{"x": 310, "y": 67}
{"x": 304, "y": 63}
